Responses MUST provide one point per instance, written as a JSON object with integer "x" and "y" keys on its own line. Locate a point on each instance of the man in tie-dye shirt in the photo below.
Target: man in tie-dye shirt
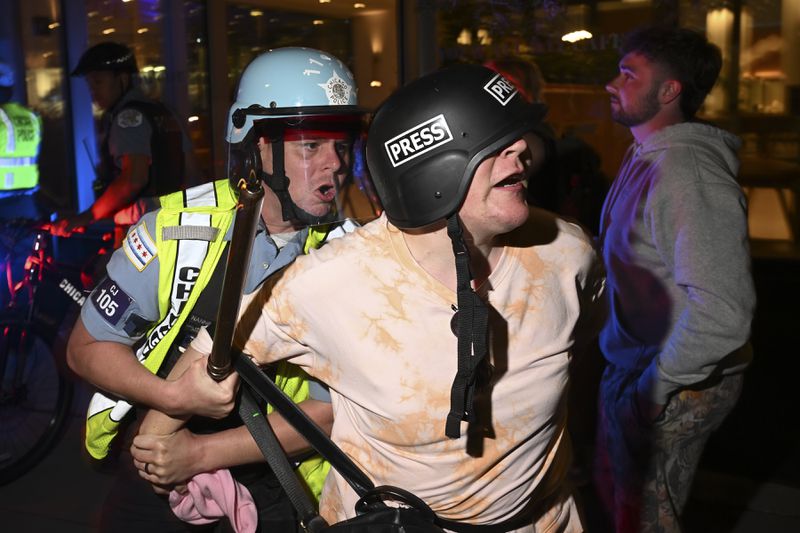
{"x": 378, "y": 314}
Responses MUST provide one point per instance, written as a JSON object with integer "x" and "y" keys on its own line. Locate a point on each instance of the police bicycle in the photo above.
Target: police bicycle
{"x": 35, "y": 388}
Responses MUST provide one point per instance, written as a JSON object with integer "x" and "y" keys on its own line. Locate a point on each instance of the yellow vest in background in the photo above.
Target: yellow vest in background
{"x": 20, "y": 136}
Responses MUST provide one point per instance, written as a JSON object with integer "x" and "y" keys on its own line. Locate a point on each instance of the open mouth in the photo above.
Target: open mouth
{"x": 515, "y": 180}
{"x": 327, "y": 192}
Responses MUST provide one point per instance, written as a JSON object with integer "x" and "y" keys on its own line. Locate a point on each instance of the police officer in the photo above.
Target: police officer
{"x": 144, "y": 151}
{"x": 20, "y": 137}
{"x": 294, "y": 129}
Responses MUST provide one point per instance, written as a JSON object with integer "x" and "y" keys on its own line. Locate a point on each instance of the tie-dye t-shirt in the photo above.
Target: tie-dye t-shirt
{"x": 361, "y": 315}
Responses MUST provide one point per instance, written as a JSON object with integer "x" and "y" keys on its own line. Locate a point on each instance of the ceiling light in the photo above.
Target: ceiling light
{"x": 256, "y": 13}
{"x": 108, "y": 31}
{"x": 318, "y": 22}
{"x": 359, "y": 5}
{"x": 142, "y": 30}
{"x": 575, "y": 36}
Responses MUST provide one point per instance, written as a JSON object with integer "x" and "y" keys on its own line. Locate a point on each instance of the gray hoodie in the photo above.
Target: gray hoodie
{"x": 675, "y": 245}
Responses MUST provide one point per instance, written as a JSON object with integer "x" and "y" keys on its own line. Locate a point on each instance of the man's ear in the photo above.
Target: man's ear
{"x": 670, "y": 91}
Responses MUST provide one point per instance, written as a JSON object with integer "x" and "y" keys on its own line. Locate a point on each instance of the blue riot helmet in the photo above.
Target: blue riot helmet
{"x": 288, "y": 96}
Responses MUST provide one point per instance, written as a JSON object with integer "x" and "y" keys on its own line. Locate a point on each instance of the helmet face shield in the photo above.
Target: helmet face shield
{"x": 317, "y": 164}
{"x": 311, "y": 166}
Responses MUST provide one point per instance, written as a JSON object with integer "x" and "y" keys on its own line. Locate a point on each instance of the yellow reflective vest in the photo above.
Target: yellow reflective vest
{"x": 213, "y": 204}
{"x": 20, "y": 136}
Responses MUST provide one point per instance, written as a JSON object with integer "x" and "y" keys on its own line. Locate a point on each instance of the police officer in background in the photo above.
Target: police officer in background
{"x": 144, "y": 150}
{"x": 20, "y": 137}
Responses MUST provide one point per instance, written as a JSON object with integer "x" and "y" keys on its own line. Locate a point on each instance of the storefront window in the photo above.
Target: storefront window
{"x": 575, "y": 42}
{"x": 576, "y": 47}
{"x": 253, "y": 30}
{"x": 361, "y": 34}
{"x": 169, "y": 40}
{"x": 198, "y": 109}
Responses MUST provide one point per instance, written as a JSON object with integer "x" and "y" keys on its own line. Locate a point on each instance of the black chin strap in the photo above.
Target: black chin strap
{"x": 473, "y": 332}
{"x": 279, "y": 183}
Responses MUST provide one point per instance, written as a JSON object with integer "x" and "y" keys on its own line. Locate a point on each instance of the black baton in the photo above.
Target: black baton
{"x": 251, "y": 195}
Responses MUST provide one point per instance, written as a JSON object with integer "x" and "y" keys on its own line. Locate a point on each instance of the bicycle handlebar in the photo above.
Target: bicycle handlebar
{"x": 26, "y": 224}
{"x": 14, "y": 229}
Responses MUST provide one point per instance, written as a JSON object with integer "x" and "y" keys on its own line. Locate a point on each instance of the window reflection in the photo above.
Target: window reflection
{"x": 476, "y": 31}
{"x": 41, "y": 33}
{"x": 253, "y": 31}
{"x": 757, "y": 95}
{"x": 170, "y": 43}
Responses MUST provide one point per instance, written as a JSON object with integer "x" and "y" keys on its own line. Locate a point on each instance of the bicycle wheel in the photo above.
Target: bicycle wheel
{"x": 35, "y": 399}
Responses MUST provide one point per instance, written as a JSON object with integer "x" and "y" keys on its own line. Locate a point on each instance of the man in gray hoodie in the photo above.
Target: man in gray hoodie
{"x": 674, "y": 242}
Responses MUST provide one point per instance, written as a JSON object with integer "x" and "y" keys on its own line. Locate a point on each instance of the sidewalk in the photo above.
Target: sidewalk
{"x": 63, "y": 494}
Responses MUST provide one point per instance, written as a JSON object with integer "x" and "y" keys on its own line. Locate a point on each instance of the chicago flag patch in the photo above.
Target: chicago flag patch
{"x": 139, "y": 247}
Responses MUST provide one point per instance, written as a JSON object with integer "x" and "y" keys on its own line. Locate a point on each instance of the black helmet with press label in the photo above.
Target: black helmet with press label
{"x": 427, "y": 139}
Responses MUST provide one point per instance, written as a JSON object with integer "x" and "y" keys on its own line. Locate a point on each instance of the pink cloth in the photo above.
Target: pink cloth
{"x": 212, "y": 495}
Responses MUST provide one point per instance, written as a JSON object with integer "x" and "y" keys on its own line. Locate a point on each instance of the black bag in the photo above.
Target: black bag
{"x": 374, "y": 516}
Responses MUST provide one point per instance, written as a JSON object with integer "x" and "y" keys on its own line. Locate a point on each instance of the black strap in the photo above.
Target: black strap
{"x": 268, "y": 391}
{"x": 279, "y": 182}
{"x": 473, "y": 330}
{"x": 267, "y": 442}
{"x": 203, "y": 314}
{"x": 205, "y": 308}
